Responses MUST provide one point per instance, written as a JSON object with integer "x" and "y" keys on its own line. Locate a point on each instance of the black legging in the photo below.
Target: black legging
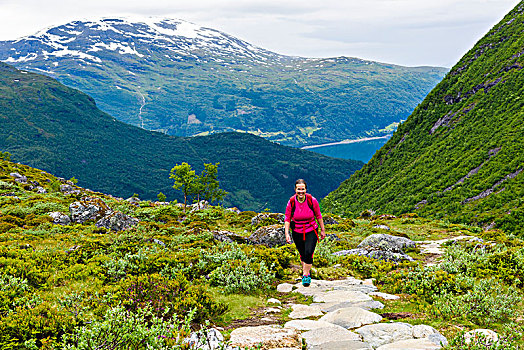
{"x": 305, "y": 248}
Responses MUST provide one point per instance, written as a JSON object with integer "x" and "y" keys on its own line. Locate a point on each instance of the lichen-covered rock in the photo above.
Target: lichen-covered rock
{"x": 40, "y": 190}
{"x": 279, "y": 217}
{"x": 270, "y": 236}
{"x": 376, "y": 254}
{"x": 385, "y": 333}
{"x": 66, "y": 188}
{"x": 117, "y": 221}
{"x": 134, "y": 201}
{"x": 386, "y": 243}
{"x": 88, "y": 208}
{"x": 266, "y": 336}
{"x": 209, "y": 339}
{"x": 59, "y": 218}
{"x": 227, "y": 236}
{"x": 19, "y": 178}
{"x": 351, "y": 317}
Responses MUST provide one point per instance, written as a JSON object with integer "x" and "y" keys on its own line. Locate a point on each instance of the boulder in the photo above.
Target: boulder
{"x": 342, "y": 344}
{"x": 385, "y": 333}
{"x": 304, "y": 311}
{"x": 307, "y": 325}
{"x": 266, "y": 336}
{"x": 351, "y": 317}
{"x": 411, "y": 344}
{"x": 199, "y": 206}
{"x": 40, "y": 190}
{"x": 284, "y": 288}
{"x": 320, "y": 336}
{"x": 234, "y": 210}
{"x": 340, "y": 296}
{"x": 208, "y": 339}
{"x": 59, "y": 218}
{"x": 279, "y": 217}
{"x": 386, "y": 243}
{"x": 19, "y": 178}
{"x": 66, "y": 188}
{"x": 227, "y": 236}
{"x": 329, "y": 221}
{"x": 88, "y": 208}
{"x": 385, "y": 296}
{"x": 487, "y": 336}
{"x": 134, "y": 201}
{"x": 270, "y": 236}
{"x": 366, "y": 305}
{"x": 117, "y": 221}
{"x": 376, "y": 254}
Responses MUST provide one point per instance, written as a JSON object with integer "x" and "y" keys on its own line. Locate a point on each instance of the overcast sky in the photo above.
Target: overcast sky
{"x": 406, "y": 32}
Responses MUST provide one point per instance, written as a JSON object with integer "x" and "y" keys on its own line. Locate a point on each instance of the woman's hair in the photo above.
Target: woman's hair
{"x": 300, "y": 181}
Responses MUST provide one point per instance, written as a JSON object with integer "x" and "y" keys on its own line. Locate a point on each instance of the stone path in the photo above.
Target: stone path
{"x": 340, "y": 320}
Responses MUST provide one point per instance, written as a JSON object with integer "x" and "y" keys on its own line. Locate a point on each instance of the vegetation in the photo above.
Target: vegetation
{"x": 55, "y": 128}
{"x": 291, "y": 100}
{"x": 78, "y": 286}
{"x": 459, "y": 155}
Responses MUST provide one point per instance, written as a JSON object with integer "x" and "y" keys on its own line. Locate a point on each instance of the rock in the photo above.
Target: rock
{"x": 154, "y": 240}
{"x": 384, "y": 296}
{"x": 304, "y": 311}
{"x": 351, "y": 317}
{"x": 382, "y": 227}
{"x": 340, "y": 296}
{"x": 227, "y": 236}
{"x": 88, "y": 208}
{"x": 325, "y": 335}
{"x": 386, "y": 243}
{"x": 423, "y": 331}
{"x": 117, "y": 221}
{"x": 66, "y": 188}
{"x": 376, "y": 254}
{"x": 387, "y": 217}
{"x": 59, "y": 218}
{"x": 270, "y": 236}
{"x": 209, "y": 339}
{"x": 339, "y": 345}
{"x": 411, "y": 344}
{"x": 385, "y": 333}
{"x": 284, "y": 288}
{"x": 366, "y": 305}
{"x": 273, "y": 310}
{"x": 19, "y": 178}
{"x": 41, "y": 190}
{"x": 332, "y": 237}
{"x": 330, "y": 221}
{"x": 279, "y": 217}
{"x": 199, "y": 206}
{"x": 274, "y": 301}
{"x": 234, "y": 210}
{"x": 269, "y": 336}
{"x": 487, "y": 336}
{"x": 73, "y": 249}
{"x": 307, "y": 325}
{"x": 134, "y": 201}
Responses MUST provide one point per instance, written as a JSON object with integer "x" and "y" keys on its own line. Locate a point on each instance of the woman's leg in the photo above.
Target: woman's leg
{"x": 309, "y": 249}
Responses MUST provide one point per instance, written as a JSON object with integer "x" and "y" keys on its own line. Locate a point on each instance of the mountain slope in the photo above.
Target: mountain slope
{"x": 48, "y": 125}
{"x": 175, "y": 77}
{"x": 460, "y": 155}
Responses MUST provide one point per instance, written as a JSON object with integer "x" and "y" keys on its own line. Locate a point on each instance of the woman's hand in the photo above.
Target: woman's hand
{"x": 288, "y": 238}
{"x": 322, "y": 234}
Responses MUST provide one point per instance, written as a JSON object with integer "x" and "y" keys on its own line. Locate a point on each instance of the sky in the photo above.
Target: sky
{"x": 404, "y": 32}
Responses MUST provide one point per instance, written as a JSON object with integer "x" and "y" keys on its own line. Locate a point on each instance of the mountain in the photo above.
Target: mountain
{"x": 50, "y": 126}
{"x": 181, "y": 79}
{"x": 460, "y": 155}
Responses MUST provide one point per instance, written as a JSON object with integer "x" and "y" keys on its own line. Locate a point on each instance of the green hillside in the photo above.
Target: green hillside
{"x": 58, "y": 129}
{"x": 460, "y": 155}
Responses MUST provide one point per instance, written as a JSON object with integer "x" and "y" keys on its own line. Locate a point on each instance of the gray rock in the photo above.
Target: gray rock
{"x": 209, "y": 339}
{"x": 411, "y": 344}
{"x": 320, "y": 336}
{"x": 385, "y": 333}
{"x": 376, "y": 254}
{"x": 269, "y": 336}
{"x": 486, "y": 335}
{"x": 341, "y": 345}
{"x": 307, "y": 325}
{"x": 279, "y": 217}
{"x": 88, "y": 208}
{"x": 270, "y": 236}
{"x": 66, "y": 188}
{"x": 351, "y": 317}
{"x": 199, "y": 206}
{"x": 134, "y": 201}
{"x": 117, "y": 221}
{"x": 19, "y": 178}
{"x": 340, "y": 296}
{"x": 284, "y": 288}
{"x": 330, "y": 221}
{"x": 274, "y": 301}
{"x": 227, "y": 236}
{"x": 304, "y": 311}
{"x": 59, "y": 218}
{"x": 234, "y": 210}
{"x": 384, "y": 296}
{"x": 41, "y": 190}
{"x": 366, "y": 305}
{"x": 382, "y": 227}
{"x": 386, "y": 243}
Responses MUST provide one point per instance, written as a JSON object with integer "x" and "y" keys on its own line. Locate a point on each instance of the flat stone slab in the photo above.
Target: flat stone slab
{"x": 274, "y": 301}
{"x": 384, "y": 296}
{"x": 341, "y": 345}
{"x": 269, "y": 336}
{"x": 366, "y": 305}
{"x": 411, "y": 344}
{"x": 305, "y": 311}
{"x": 325, "y": 335}
{"x": 319, "y": 286}
{"x": 307, "y": 325}
{"x": 351, "y": 317}
{"x": 285, "y": 288}
{"x": 340, "y": 296}
{"x": 384, "y": 333}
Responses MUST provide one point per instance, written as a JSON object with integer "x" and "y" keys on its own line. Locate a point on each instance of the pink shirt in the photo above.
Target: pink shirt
{"x": 304, "y": 217}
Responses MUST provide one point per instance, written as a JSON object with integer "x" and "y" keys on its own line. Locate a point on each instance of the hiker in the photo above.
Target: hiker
{"x": 301, "y": 212}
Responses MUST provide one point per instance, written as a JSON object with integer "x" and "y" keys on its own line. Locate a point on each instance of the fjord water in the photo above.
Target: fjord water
{"x": 362, "y": 150}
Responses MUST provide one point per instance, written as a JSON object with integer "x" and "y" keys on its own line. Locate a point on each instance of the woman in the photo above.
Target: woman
{"x": 301, "y": 212}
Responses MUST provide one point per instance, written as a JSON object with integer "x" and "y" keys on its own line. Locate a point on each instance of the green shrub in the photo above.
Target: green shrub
{"x": 368, "y": 267}
{"x": 488, "y": 302}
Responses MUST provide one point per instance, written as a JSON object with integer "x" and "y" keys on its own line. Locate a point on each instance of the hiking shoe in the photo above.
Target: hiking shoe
{"x": 306, "y": 281}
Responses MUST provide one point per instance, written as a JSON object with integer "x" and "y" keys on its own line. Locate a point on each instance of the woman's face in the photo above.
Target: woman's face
{"x": 300, "y": 190}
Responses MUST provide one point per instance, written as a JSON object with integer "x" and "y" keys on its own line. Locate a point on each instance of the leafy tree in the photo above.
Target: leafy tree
{"x": 208, "y": 184}
{"x": 161, "y": 197}
{"x": 185, "y": 179}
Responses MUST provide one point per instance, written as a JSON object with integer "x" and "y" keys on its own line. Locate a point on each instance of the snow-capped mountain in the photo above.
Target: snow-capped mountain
{"x": 182, "y": 79}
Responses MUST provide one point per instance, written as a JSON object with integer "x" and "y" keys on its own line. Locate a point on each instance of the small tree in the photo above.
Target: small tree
{"x": 185, "y": 179}
{"x": 161, "y": 197}
{"x": 209, "y": 183}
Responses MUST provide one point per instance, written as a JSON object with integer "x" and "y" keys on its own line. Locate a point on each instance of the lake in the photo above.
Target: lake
{"x": 363, "y": 150}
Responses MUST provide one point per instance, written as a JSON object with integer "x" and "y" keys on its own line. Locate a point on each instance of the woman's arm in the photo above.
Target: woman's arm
{"x": 318, "y": 216}
{"x": 322, "y": 229}
{"x": 286, "y": 230}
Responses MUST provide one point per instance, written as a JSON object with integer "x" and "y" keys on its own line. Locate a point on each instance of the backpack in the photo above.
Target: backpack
{"x": 309, "y": 199}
